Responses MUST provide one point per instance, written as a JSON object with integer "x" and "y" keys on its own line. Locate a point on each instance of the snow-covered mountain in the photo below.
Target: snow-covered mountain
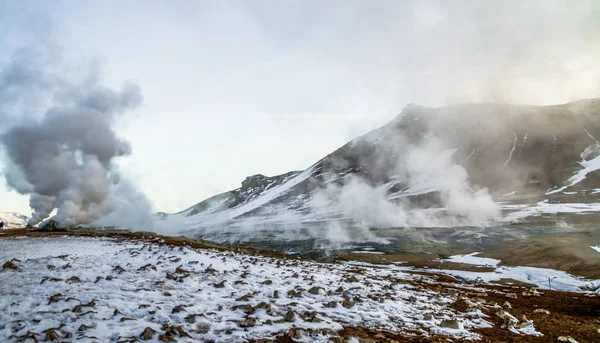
{"x": 532, "y": 161}
{"x": 13, "y": 220}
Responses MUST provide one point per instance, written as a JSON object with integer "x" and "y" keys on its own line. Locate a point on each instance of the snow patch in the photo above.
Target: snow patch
{"x": 589, "y": 166}
{"x": 473, "y": 259}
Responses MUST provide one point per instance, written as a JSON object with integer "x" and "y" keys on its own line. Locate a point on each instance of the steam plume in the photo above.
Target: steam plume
{"x": 424, "y": 167}
{"x": 62, "y": 152}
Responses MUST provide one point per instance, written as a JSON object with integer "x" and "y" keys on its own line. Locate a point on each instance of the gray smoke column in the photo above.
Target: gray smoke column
{"x": 63, "y": 156}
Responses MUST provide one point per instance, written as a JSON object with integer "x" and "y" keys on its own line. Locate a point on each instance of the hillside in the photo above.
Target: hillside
{"x": 432, "y": 167}
{"x": 13, "y": 220}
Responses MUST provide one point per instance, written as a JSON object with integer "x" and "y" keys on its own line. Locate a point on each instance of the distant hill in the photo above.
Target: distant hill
{"x": 13, "y": 220}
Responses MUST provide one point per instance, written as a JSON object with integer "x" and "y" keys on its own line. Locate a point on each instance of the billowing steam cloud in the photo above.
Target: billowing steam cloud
{"x": 424, "y": 168}
{"x": 64, "y": 155}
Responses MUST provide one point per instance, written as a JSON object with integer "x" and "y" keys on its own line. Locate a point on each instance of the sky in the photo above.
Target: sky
{"x": 236, "y": 88}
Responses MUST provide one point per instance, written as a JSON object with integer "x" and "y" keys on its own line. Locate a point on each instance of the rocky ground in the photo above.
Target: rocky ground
{"x": 116, "y": 286}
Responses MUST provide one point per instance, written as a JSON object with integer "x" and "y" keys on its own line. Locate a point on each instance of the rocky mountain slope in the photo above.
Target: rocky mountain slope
{"x": 530, "y": 160}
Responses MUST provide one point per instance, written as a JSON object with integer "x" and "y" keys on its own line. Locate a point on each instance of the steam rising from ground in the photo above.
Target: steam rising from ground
{"x": 62, "y": 152}
{"x": 425, "y": 168}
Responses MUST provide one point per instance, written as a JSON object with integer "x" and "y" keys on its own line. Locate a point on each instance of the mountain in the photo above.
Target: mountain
{"x": 13, "y": 220}
{"x": 432, "y": 167}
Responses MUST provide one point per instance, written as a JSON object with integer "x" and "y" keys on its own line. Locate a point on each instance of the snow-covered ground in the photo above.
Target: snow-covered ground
{"x": 104, "y": 290}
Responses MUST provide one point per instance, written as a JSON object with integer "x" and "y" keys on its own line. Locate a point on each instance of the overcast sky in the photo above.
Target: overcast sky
{"x": 235, "y": 88}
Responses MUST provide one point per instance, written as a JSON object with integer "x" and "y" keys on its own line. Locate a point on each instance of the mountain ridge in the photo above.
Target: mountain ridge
{"x": 513, "y": 151}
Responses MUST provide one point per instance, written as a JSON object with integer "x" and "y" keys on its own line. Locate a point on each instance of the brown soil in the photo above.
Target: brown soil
{"x": 570, "y": 252}
{"x": 413, "y": 260}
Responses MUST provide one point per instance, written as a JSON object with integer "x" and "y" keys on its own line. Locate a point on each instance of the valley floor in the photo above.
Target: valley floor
{"x": 101, "y": 286}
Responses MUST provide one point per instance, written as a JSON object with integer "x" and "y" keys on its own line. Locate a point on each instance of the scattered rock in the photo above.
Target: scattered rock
{"x": 347, "y": 303}
{"x": 220, "y": 284}
{"x": 511, "y": 295}
{"x": 48, "y": 278}
{"x": 450, "y": 323}
{"x": 178, "y": 308}
{"x": 523, "y": 324}
{"x": 202, "y": 328}
{"x": 509, "y": 319}
{"x": 331, "y": 304}
{"x": 10, "y": 265}
{"x": 173, "y": 330}
{"x": 73, "y": 279}
{"x": 118, "y": 269}
{"x": 83, "y": 327}
{"x": 506, "y": 305}
{"x": 249, "y": 322}
{"x": 245, "y": 297}
{"x": 352, "y": 278}
{"x": 77, "y": 309}
{"x": 191, "y": 318}
{"x": 166, "y": 338}
{"x": 289, "y": 316}
{"x": 568, "y": 339}
{"x": 55, "y": 298}
{"x": 314, "y": 290}
{"x": 51, "y": 335}
{"x": 30, "y": 335}
{"x": 148, "y": 333}
{"x": 180, "y": 270}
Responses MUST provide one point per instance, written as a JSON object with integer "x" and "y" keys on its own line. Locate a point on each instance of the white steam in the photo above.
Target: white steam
{"x": 427, "y": 168}
{"x": 63, "y": 150}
